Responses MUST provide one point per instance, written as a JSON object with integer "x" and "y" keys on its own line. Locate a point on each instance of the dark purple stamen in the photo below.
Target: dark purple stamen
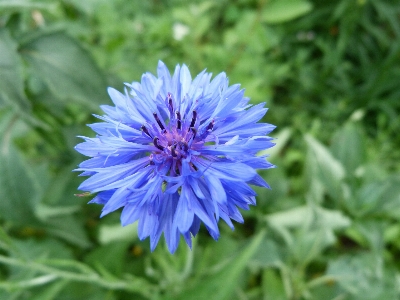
{"x": 155, "y": 142}
{"x": 178, "y": 116}
{"x": 170, "y": 101}
{"x": 145, "y": 130}
{"x": 173, "y": 153}
{"x": 211, "y": 125}
{"x": 158, "y": 121}
{"x": 194, "y": 132}
{"x": 193, "y": 118}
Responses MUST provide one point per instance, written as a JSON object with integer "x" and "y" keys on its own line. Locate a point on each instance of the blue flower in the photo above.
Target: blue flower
{"x": 174, "y": 152}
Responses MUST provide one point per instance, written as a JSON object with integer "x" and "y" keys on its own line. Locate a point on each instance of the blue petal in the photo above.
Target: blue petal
{"x": 227, "y": 103}
{"x": 109, "y": 175}
{"x": 226, "y": 218}
{"x": 121, "y": 101}
{"x": 184, "y": 213}
{"x": 132, "y": 182}
{"x": 147, "y": 222}
{"x": 130, "y": 213}
{"x": 188, "y": 239}
{"x": 117, "y": 200}
{"x": 226, "y": 170}
{"x": 103, "y": 197}
{"x": 194, "y": 229}
{"x": 216, "y": 189}
{"x": 259, "y": 181}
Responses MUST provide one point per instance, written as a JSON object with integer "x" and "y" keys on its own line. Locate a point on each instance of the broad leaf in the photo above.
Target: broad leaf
{"x": 11, "y": 80}
{"x": 19, "y": 192}
{"x": 323, "y": 167}
{"x": 279, "y": 11}
{"x": 67, "y": 68}
{"x": 348, "y": 147}
{"x": 363, "y": 277}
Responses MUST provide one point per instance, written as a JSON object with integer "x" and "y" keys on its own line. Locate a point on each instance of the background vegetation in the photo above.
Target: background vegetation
{"x": 329, "y": 72}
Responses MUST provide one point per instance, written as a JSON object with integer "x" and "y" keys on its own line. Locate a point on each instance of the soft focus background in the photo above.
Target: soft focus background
{"x": 330, "y": 74}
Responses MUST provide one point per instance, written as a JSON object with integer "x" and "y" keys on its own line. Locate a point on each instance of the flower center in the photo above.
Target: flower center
{"x": 174, "y": 139}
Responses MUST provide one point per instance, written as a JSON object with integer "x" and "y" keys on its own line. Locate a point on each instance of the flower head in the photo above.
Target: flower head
{"x": 174, "y": 152}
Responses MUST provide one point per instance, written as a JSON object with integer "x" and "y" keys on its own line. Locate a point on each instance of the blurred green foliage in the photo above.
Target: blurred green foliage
{"x": 328, "y": 70}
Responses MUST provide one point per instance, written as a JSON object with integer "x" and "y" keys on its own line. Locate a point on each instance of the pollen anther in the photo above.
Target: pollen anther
{"x": 193, "y": 118}
{"x": 145, "y": 130}
{"x": 158, "y": 121}
{"x": 178, "y": 117}
{"x": 155, "y": 142}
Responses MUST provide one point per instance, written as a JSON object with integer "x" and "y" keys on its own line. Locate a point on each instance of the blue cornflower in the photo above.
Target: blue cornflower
{"x": 175, "y": 152}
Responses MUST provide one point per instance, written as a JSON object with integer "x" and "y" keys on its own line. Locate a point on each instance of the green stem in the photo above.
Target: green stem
{"x": 138, "y": 286}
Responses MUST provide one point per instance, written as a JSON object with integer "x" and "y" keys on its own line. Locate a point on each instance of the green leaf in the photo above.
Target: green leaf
{"x": 389, "y": 202}
{"x": 377, "y": 199}
{"x": 348, "y": 146}
{"x": 111, "y": 256}
{"x": 363, "y": 277}
{"x": 223, "y": 283}
{"x": 261, "y": 39}
{"x": 307, "y": 230}
{"x": 267, "y": 255}
{"x": 11, "y": 80}
{"x": 66, "y": 67}
{"x": 27, "y": 283}
{"x": 17, "y": 5}
{"x": 30, "y": 250}
{"x": 83, "y": 290}
{"x": 373, "y": 232}
{"x": 272, "y": 285}
{"x": 323, "y": 170}
{"x": 50, "y": 292}
{"x": 18, "y": 191}
{"x": 279, "y": 11}
{"x": 69, "y": 229}
{"x": 5, "y": 241}
{"x": 306, "y": 215}
{"x": 112, "y": 233}
{"x": 45, "y": 212}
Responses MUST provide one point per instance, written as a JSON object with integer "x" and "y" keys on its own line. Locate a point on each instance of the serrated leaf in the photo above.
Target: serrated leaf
{"x": 322, "y": 166}
{"x": 279, "y": 11}
{"x": 373, "y": 231}
{"x": 306, "y": 215}
{"x": 348, "y": 146}
{"x": 267, "y": 255}
{"x": 377, "y": 198}
{"x": 67, "y": 68}
{"x": 363, "y": 277}
{"x": 307, "y": 230}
